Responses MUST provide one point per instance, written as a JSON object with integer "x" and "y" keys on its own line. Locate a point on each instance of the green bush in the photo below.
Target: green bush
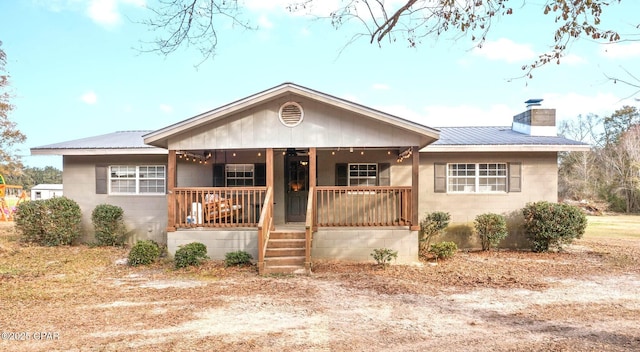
{"x": 108, "y": 222}
{"x": 383, "y": 256}
{"x": 144, "y": 252}
{"x": 550, "y": 225}
{"x": 443, "y": 250}
{"x": 430, "y": 226}
{"x": 238, "y": 258}
{"x": 193, "y": 253}
{"x": 492, "y": 228}
{"x": 49, "y": 222}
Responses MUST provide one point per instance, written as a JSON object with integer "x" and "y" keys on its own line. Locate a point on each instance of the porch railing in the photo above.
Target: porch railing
{"x": 363, "y": 206}
{"x": 264, "y": 228}
{"x": 218, "y": 206}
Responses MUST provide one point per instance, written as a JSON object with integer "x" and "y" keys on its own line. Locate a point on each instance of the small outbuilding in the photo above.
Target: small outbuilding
{"x": 46, "y": 191}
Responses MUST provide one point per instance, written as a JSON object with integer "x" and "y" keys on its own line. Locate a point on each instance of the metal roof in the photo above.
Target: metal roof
{"x": 500, "y": 138}
{"x": 121, "y": 142}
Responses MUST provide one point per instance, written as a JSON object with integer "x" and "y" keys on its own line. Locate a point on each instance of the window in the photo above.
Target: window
{"x": 131, "y": 179}
{"x": 481, "y": 178}
{"x": 239, "y": 175}
{"x": 363, "y": 174}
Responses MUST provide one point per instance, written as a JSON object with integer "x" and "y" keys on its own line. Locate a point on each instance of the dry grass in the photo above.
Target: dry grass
{"x": 613, "y": 226}
{"x": 95, "y": 304}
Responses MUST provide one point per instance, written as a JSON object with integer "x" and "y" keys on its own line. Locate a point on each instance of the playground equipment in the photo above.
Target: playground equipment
{"x": 10, "y": 197}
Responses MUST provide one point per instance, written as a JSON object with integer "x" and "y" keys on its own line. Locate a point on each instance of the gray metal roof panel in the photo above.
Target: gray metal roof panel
{"x": 115, "y": 140}
{"x": 497, "y": 135}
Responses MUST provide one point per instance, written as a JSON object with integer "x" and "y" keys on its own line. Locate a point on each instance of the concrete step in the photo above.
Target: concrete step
{"x": 286, "y": 243}
{"x": 279, "y": 235}
{"x": 284, "y": 252}
{"x": 280, "y": 261}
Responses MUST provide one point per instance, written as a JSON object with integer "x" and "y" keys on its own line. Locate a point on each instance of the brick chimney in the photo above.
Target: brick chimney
{"x": 535, "y": 121}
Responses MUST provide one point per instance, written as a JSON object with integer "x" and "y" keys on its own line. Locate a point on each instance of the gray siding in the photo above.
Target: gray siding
{"x": 145, "y": 216}
{"x": 539, "y": 183}
{"x": 323, "y": 126}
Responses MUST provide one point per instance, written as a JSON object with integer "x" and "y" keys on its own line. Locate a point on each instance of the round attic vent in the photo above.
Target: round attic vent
{"x": 291, "y": 114}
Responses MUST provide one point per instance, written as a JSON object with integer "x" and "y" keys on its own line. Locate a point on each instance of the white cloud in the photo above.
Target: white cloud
{"x": 167, "y": 109}
{"x": 380, "y": 86}
{"x": 620, "y": 51}
{"x": 106, "y": 12}
{"x": 264, "y": 22}
{"x": 505, "y": 50}
{"x": 89, "y": 97}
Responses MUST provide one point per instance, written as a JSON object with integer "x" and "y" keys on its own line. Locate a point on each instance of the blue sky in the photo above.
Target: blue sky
{"x": 76, "y": 70}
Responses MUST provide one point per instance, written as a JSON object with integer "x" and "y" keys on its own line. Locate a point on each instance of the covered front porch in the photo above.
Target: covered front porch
{"x": 290, "y": 155}
{"x": 272, "y": 191}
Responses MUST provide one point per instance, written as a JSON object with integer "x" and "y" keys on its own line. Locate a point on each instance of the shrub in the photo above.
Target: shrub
{"x": 383, "y": 256}
{"x": 108, "y": 222}
{"x": 443, "y": 250}
{"x": 552, "y": 224}
{"x": 492, "y": 228}
{"x": 144, "y": 252}
{"x": 193, "y": 253}
{"x": 430, "y": 226}
{"x": 49, "y": 222}
{"x": 238, "y": 258}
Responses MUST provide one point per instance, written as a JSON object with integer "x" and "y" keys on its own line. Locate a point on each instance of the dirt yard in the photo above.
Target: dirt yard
{"x": 83, "y": 299}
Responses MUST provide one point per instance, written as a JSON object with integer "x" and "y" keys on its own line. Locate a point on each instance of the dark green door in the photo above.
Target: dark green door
{"x": 297, "y": 187}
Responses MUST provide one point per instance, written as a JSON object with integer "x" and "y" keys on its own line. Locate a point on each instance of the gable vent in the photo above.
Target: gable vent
{"x": 291, "y": 114}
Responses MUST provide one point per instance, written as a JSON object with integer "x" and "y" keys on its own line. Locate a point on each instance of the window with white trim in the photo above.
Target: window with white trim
{"x": 239, "y": 175}
{"x": 132, "y": 179}
{"x": 361, "y": 174}
{"x": 477, "y": 178}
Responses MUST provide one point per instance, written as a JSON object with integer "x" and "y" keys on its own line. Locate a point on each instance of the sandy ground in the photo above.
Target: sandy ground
{"x": 584, "y": 299}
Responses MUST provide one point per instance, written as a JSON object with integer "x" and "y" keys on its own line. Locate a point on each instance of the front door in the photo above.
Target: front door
{"x": 297, "y": 187}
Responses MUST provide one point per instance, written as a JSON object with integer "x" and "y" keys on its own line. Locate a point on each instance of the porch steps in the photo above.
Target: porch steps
{"x": 285, "y": 253}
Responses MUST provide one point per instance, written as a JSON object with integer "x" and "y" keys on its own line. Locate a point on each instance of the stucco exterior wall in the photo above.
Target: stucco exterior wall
{"x": 145, "y": 216}
{"x": 357, "y": 244}
{"x": 539, "y": 182}
{"x": 354, "y": 244}
{"x": 218, "y": 242}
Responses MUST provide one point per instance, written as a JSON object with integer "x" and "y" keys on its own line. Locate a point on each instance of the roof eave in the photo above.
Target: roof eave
{"x": 506, "y": 148}
{"x": 97, "y": 151}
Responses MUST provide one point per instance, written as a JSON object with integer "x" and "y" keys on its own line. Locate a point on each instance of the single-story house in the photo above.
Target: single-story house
{"x": 46, "y": 191}
{"x": 291, "y": 175}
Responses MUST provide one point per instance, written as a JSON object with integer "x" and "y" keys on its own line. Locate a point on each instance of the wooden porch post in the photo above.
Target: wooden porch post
{"x": 313, "y": 167}
{"x": 269, "y": 170}
{"x": 415, "y": 188}
{"x": 171, "y": 198}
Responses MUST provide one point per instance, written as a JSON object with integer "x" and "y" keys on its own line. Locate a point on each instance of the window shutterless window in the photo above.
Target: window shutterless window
{"x": 477, "y": 178}
{"x": 132, "y": 179}
{"x": 239, "y": 175}
{"x": 363, "y": 174}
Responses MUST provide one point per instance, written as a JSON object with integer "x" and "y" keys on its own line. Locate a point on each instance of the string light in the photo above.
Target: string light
{"x": 405, "y": 154}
